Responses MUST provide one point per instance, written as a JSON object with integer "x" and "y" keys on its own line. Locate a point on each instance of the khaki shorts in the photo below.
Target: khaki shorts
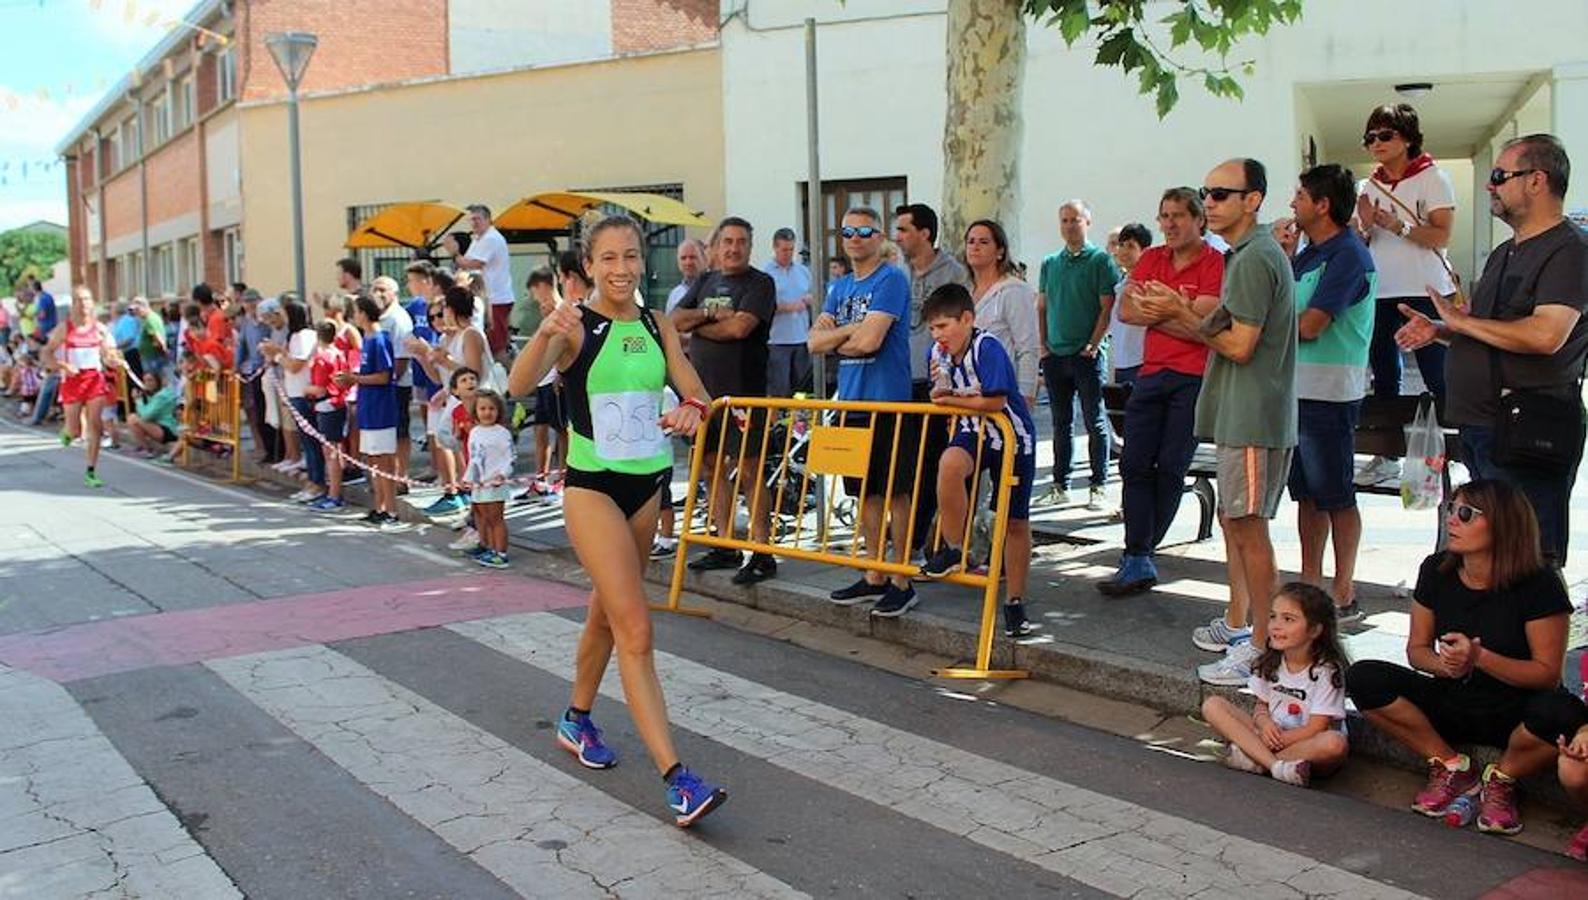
{"x": 1251, "y": 480}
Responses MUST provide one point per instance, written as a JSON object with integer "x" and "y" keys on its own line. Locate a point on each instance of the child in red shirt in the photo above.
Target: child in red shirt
{"x": 330, "y": 412}
{"x": 462, "y": 385}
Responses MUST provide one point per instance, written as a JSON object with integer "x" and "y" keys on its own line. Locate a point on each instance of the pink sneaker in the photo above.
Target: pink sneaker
{"x": 1497, "y": 812}
{"x": 1444, "y": 786}
{"x": 1578, "y": 848}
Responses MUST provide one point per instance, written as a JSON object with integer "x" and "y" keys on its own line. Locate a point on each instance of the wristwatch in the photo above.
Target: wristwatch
{"x": 1405, "y": 229}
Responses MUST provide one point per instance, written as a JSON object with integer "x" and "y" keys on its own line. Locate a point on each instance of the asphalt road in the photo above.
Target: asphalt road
{"x": 208, "y": 693}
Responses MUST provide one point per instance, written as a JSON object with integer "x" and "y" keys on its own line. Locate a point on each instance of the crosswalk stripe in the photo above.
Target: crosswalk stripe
{"x": 1104, "y": 842}
{"x": 75, "y": 818}
{"x": 539, "y": 830}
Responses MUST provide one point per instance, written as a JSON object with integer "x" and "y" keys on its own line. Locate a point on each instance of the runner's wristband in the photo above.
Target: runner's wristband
{"x": 699, "y": 406}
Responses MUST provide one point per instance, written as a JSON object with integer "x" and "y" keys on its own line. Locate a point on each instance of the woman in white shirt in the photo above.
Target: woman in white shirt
{"x": 1006, "y": 307}
{"x": 295, "y": 361}
{"x": 1405, "y": 212}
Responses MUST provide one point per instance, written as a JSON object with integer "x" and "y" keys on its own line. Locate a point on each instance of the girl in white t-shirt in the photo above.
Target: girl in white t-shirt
{"x": 1297, "y": 726}
{"x": 486, "y": 477}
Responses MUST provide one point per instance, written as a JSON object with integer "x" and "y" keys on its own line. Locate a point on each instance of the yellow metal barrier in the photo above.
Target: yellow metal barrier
{"x": 212, "y": 411}
{"x": 806, "y": 444}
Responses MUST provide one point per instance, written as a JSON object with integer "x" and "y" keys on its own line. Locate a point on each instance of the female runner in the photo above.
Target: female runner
{"x": 80, "y": 348}
{"x": 615, "y": 358}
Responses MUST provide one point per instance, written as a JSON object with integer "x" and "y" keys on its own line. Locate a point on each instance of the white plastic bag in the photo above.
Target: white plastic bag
{"x": 1423, "y": 472}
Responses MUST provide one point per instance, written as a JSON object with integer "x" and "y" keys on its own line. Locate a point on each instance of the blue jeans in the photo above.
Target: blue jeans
{"x": 313, "y": 453}
{"x": 1548, "y": 491}
{"x": 1066, "y": 377}
{"x": 46, "y": 398}
{"x": 1384, "y": 355}
{"x": 1159, "y": 443}
{"x": 1324, "y": 463}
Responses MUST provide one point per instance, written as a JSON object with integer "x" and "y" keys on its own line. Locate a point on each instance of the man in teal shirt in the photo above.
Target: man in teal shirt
{"x": 1075, "y": 302}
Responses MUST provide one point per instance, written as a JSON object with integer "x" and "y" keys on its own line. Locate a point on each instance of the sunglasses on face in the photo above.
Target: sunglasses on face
{"x": 1465, "y": 512}
{"x": 864, "y": 231}
{"x": 1381, "y": 136}
{"x": 1498, "y": 176}
{"x": 1221, "y": 194}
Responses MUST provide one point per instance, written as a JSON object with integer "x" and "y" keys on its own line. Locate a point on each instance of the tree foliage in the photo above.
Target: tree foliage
{"x": 1126, "y": 39}
{"x": 29, "y": 254}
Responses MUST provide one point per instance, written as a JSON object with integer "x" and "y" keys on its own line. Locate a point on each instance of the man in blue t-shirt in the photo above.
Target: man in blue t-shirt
{"x": 866, "y": 321}
{"x": 970, "y": 370}
{"x": 47, "y": 318}
{"x": 1335, "y": 288}
{"x": 377, "y": 409}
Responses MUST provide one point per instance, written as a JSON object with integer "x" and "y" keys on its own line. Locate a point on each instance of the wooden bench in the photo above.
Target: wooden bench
{"x": 1380, "y": 431}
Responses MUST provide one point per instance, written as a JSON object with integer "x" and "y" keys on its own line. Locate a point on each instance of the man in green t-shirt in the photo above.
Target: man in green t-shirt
{"x": 151, "y": 337}
{"x": 1247, "y": 408}
{"x": 1075, "y": 303}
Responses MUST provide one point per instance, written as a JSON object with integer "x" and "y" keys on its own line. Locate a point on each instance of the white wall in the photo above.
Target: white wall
{"x": 497, "y": 34}
{"x": 1087, "y": 132}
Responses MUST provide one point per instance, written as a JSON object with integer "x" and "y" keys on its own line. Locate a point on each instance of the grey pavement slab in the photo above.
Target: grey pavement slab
{"x": 280, "y": 818}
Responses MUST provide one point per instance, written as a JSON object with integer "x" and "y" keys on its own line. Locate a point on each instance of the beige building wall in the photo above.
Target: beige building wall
{"x": 629, "y": 121}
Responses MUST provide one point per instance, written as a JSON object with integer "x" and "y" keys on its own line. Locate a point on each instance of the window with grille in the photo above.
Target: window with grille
{"x": 393, "y": 261}
{"x": 232, "y": 254}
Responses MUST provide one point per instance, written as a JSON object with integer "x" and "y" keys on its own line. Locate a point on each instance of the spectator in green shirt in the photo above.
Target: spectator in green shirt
{"x": 1075, "y": 303}
{"x": 154, "y": 424}
{"x": 151, "y": 337}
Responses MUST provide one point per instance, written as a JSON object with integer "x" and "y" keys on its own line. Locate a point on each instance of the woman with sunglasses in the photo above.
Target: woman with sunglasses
{"x": 1405, "y": 212}
{"x": 1486, "y": 648}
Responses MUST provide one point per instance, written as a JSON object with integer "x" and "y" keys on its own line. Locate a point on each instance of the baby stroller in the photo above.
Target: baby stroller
{"x": 788, "y": 471}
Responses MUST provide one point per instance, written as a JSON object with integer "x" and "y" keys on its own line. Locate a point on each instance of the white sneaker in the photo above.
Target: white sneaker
{"x": 1234, "y": 670}
{"x": 1378, "y": 469}
{"x": 1055, "y": 496}
{"x": 297, "y": 465}
{"x": 1292, "y": 771}
{"x": 1217, "y": 636}
{"x": 1095, "y": 501}
{"x": 303, "y": 496}
{"x": 466, "y": 541}
{"x": 281, "y": 466}
{"x": 1239, "y": 761}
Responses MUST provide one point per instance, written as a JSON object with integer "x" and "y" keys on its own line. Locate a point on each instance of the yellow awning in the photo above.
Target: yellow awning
{"x": 557, "y": 210}
{"x": 411, "y": 225}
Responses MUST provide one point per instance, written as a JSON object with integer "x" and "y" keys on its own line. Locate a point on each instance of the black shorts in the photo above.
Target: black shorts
{"x": 630, "y": 492}
{"x": 405, "y": 412}
{"x": 744, "y": 430}
{"x": 1461, "y": 713}
{"x": 548, "y": 408}
{"x": 881, "y": 460}
{"x": 166, "y": 435}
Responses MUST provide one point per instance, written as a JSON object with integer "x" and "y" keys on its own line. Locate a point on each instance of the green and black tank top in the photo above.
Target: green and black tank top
{"x": 613, "y": 394}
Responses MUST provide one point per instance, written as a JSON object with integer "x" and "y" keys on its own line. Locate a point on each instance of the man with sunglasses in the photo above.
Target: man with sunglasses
{"x": 1524, "y": 335}
{"x": 1247, "y": 407}
{"x": 866, "y": 321}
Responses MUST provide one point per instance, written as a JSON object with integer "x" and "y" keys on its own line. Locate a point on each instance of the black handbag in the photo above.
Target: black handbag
{"x": 1534, "y": 429}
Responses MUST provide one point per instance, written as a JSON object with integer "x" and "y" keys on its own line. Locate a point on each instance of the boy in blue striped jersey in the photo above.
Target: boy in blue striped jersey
{"x": 972, "y": 371}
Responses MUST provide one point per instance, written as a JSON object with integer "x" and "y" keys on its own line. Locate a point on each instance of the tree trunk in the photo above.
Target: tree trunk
{"x": 986, "y": 51}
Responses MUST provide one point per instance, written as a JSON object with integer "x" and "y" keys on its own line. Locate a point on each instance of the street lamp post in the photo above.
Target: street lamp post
{"x": 292, "y": 51}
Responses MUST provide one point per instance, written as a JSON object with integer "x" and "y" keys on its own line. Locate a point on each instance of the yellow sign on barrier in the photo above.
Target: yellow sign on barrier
{"x": 840, "y": 451}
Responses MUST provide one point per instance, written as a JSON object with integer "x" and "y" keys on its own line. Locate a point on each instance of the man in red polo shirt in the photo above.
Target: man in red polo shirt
{"x": 1161, "y": 412}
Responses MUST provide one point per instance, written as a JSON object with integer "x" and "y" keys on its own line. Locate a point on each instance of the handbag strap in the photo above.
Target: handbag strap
{"x": 1455, "y": 279}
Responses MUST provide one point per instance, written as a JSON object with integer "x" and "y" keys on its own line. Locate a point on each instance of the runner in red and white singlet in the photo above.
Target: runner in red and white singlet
{"x": 80, "y": 348}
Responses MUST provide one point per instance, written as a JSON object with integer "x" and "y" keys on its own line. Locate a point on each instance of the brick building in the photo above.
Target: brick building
{"x": 160, "y": 177}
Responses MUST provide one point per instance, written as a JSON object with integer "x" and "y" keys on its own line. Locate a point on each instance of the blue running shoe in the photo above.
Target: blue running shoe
{"x": 691, "y": 799}
{"x": 579, "y": 736}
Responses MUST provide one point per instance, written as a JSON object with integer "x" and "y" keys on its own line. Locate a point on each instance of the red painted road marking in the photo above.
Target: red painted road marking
{"x": 189, "y": 636}
{"x": 1544, "y": 884}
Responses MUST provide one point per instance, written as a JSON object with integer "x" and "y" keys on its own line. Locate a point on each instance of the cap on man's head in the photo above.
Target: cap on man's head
{"x": 252, "y": 296}
{"x": 269, "y": 305}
